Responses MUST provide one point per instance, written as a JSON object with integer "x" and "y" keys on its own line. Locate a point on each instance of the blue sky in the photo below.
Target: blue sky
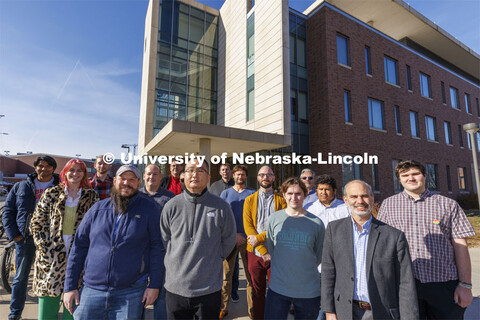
{"x": 70, "y": 71}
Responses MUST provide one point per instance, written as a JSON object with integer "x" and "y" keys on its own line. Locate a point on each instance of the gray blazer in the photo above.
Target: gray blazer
{"x": 391, "y": 286}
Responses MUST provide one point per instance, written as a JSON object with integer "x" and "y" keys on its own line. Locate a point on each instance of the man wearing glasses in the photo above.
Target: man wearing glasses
{"x": 307, "y": 176}
{"x": 256, "y": 210}
{"x": 198, "y": 231}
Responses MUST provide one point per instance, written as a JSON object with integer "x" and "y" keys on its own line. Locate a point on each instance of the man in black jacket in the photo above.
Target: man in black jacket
{"x": 18, "y": 210}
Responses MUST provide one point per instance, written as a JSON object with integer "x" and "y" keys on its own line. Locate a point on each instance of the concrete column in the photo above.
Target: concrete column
{"x": 205, "y": 147}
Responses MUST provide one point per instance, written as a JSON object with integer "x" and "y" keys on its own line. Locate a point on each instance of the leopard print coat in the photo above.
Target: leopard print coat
{"x": 46, "y": 229}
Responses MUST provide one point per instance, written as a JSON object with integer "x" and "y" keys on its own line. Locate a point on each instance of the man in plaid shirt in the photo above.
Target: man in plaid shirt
{"x": 436, "y": 229}
{"x": 101, "y": 181}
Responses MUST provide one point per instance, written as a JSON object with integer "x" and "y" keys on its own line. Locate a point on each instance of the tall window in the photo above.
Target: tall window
{"x": 414, "y": 124}
{"x": 425, "y": 85}
{"x": 368, "y": 65}
{"x": 431, "y": 128}
{"x": 469, "y": 141}
{"x": 409, "y": 79}
{"x": 462, "y": 179}
{"x": 460, "y": 138}
{"x": 251, "y": 67}
{"x": 448, "y": 132}
{"x": 375, "y": 184}
{"x": 346, "y": 104}
{"x": 390, "y": 70}
{"x": 478, "y": 107}
{"x": 343, "y": 54}
{"x": 444, "y": 97}
{"x": 398, "y": 127}
{"x": 454, "y": 98}
{"x": 449, "y": 180}
{"x": 477, "y": 139}
{"x": 397, "y": 186}
{"x": 468, "y": 107}
{"x": 432, "y": 178}
{"x": 375, "y": 114}
{"x": 351, "y": 172}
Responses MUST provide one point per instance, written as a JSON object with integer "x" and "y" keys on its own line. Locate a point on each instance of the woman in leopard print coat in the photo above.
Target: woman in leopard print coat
{"x": 54, "y": 222}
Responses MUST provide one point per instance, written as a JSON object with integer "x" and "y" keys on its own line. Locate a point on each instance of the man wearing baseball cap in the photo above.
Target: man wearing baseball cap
{"x": 118, "y": 245}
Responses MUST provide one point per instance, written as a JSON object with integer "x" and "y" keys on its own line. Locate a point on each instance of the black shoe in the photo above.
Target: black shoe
{"x": 235, "y": 297}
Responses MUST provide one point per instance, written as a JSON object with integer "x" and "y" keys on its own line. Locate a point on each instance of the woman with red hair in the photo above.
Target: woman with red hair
{"x": 54, "y": 222}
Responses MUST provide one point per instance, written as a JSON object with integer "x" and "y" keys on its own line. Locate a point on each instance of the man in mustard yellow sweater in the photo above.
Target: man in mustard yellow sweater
{"x": 256, "y": 210}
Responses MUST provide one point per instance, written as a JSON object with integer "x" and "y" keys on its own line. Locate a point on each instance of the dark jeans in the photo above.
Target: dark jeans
{"x": 235, "y": 281}
{"x": 435, "y": 300}
{"x": 24, "y": 256}
{"x": 202, "y": 307}
{"x": 277, "y": 306}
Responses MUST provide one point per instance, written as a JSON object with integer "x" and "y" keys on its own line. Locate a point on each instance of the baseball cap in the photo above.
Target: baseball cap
{"x": 128, "y": 167}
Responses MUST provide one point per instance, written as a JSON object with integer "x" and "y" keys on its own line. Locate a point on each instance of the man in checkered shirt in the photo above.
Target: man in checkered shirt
{"x": 436, "y": 229}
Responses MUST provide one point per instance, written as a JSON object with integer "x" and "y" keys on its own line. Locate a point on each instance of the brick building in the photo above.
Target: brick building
{"x": 344, "y": 77}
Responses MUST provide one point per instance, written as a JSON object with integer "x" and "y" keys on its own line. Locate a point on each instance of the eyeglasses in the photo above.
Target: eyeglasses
{"x": 307, "y": 178}
{"x": 263, "y": 175}
{"x": 197, "y": 171}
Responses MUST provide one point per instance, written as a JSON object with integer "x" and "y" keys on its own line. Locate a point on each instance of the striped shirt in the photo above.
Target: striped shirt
{"x": 430, "y": 224}
{"x": 360, "y": 242}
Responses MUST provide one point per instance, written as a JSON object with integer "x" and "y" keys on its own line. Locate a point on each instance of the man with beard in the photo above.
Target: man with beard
{"x": 235, "y": 197}
{"x": 118, "y": 245}
{"x": 225, "y": 181}
{"x": 101, "y": 181}
{"x": 368, "y": 258}
{"x": 198, "y": 230}
{"x": 256, "y": 210}
{"x": 172, "y": 181}
{"x": 18, "y": 211}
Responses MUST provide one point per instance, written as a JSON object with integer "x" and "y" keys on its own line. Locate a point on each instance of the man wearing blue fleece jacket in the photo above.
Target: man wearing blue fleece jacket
{"x": 118, "y": 245}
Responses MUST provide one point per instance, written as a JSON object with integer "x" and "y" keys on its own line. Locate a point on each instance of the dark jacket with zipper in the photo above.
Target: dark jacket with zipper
{"x": 19, "y": 206}
{"x": 116, "y": 261}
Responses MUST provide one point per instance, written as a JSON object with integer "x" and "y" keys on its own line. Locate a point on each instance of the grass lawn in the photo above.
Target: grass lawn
{"x": 474, "y": 217}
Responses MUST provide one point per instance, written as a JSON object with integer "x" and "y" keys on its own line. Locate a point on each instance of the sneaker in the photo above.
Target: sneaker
{"x": 235, "y": 297}
{"x": 223, "y": 314}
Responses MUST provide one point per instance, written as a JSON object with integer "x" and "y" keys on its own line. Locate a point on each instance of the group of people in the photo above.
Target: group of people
{"x": 112, "y": 248}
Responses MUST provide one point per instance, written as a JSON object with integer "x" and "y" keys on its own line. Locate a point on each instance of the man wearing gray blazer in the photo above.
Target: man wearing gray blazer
{"x": 366, "y": 266}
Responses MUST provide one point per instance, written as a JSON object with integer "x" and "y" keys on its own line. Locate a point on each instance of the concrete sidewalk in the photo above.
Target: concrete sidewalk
{"x": 238, "y": 310}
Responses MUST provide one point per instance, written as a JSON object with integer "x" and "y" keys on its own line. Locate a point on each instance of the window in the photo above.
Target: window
{"x": 460, "y": 138}
{"x": 462, "y": 179}
{"x": 454, "y": 98}
{"x": 449, "y": 180}
{"x": 398, "y": 127}
{"x": 469, "y": 142}
{"x": 343, "y": 55}
{"x": 432, "y": 178}
{"x": 375, "y": 184}
{"x": 409, "y": 79}
{"x": 477, "y": 138}
{"x": 368, "y": 65}
{"x": 250, "y": 67}
{"x": 444, "y": 98}
{"x": 414, "y": 124}
{"x": 478, "y": 108}
{"x": 397, "y": 186}
{"x": 346, "y": 104}
{"x": 431, "y": 128}
{"x": 468, "y": 107}
{"x": 375, "y": 114}
{"x": 352, "y": 171}
{"x": 391, "y": 70}
{"x": 448, "y": 132}
{"x": 425, "y": 85}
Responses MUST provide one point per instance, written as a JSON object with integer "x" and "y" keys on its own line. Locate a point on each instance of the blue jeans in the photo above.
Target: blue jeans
{"x": 159, "y": 307}
{"x": 235, "y": 281}
{"x": 277, "y": 306}
{"x": 24, "y": 256}
{"x": 113, "y": 305}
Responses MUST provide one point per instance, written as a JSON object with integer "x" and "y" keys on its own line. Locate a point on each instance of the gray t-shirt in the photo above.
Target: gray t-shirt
{"x": 295, "y": 244}
{"x": 40, "y": 187}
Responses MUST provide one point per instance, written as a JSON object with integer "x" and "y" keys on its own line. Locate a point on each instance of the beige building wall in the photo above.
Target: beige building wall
{"x": 272, "y": 73}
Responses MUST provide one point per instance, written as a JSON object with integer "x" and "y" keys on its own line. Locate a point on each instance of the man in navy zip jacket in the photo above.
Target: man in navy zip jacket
{"x": 118, "y": 245}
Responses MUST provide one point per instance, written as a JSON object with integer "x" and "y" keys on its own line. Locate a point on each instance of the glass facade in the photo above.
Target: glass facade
{"x": 251, "y": 67}
{"x": 186, "y": 74}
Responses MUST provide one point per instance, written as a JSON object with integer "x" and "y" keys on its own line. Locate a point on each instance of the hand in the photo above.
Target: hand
{"x": 16, "y": 239}
{"x": 240, "y": 240}
{"x": 330, "y": 316}
{"x": 252, "y": 240}
{"x": 68, "y": 300}
{"x": 149, "y": 296}
{"x": 267, "y": 257}
{"x": 463, "y": 296}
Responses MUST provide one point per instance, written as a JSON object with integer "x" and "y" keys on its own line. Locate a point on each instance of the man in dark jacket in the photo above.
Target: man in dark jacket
{"x": 17, "y": 213}
{"x": 119, "y": 247}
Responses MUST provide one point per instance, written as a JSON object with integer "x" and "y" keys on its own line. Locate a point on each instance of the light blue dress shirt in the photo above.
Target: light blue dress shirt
{"x": 360, "y": 241}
